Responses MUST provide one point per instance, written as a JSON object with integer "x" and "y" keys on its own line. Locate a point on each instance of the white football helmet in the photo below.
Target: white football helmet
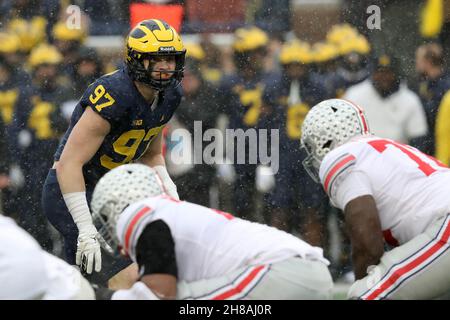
{"x": 328, "y": 125}
{"x": 115, "y": 191}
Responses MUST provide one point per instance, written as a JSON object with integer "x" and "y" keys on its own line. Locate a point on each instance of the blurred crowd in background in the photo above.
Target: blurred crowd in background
{"x": 278, "y": 59}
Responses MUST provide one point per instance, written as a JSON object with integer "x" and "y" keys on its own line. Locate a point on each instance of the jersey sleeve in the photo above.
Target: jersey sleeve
{"x": 155, "y": 250}
{"x": 103, "y": 98}
{"x": 340, "y": 180}
{"x": 350, "y": 186}
{"x": 130, "y": 226}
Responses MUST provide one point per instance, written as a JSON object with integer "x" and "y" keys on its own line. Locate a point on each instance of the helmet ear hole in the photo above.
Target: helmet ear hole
{"x": 104, "y": 216}
{"x": 327, "y": 144}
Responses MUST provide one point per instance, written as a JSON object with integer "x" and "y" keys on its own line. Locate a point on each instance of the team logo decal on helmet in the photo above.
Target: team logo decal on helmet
{"x": 152, "y": 38}
{"x": 116, "y": 190}
{"x": 328, "y": 125}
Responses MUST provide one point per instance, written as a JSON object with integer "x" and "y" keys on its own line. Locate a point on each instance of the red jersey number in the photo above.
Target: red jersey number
{"x": 414, "y": 154}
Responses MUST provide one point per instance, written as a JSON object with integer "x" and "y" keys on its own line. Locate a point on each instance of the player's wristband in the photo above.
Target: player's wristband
{"x": 78, "y": 207}
{"x": 169, "y": 187}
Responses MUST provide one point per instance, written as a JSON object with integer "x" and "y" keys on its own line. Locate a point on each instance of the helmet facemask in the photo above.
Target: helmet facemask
{"x": 152, "y": 38}
{"x": 144, "y": 75}
{"x": 312, "y": 161}
{"x": 105, "y": 221}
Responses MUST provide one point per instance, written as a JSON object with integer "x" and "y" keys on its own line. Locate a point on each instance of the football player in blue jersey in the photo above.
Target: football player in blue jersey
{"x": 14, "y": 95}
{"x": 37, "y": 128}
{"x": 289, "y": 99}
{"x": 118, "y": 120}
{"x": 241, "y": 93}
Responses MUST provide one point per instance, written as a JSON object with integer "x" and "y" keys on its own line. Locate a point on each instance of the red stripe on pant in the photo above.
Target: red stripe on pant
{"x": 241, "y": 286}
{"x": 411, "y": 265}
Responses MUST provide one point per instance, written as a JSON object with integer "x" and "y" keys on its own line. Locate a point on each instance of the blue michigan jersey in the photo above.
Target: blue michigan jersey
{"x": 134, "y": 123}
{"x": 294, "y": 186}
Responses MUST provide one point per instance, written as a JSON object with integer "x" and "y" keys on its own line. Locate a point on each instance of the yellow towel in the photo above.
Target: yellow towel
{"x": 432, "y": 18}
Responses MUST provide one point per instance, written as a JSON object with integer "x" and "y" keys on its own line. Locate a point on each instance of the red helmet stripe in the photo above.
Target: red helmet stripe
{"x": 361, "y": 116}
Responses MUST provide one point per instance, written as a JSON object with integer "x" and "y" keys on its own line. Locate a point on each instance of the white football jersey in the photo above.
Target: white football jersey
{"x": 208, "y": 242}
{"x": 22, "y": 265}
{"x": 410, "y": 189}
{"x": 28, "y": 272}
{"x": 65, "y": 281}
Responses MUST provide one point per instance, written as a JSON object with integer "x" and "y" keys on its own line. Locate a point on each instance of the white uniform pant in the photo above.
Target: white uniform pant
{"x": 292, "y": 279}
{"x": 418, "y": 269}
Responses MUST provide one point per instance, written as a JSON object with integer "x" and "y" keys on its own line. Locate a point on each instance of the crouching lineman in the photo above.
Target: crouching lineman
{"x": 386, "y": 190}
{"x": 28, "y": 272}
{"x": 186, "y": 251}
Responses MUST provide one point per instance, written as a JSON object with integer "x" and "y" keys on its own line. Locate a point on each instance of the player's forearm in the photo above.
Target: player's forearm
{"x": 362, "y": 259}
{"x": 70, "y": 177}
{"x": 71, "y": 180}
{"x": 157, "y": 162}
